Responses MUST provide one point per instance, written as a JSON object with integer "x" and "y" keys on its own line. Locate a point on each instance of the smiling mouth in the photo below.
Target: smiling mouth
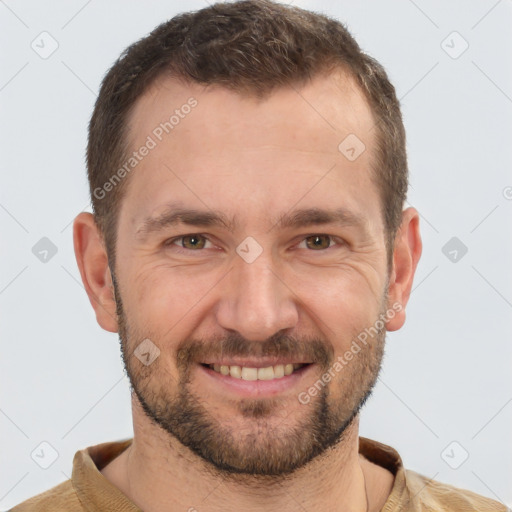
{"x": 275, "y": 372}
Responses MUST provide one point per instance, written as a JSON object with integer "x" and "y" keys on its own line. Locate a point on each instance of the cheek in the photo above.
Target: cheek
{"x": 341, "y": 300}
{"x": 165, "y": 300}
{"x": 162, "y": 297}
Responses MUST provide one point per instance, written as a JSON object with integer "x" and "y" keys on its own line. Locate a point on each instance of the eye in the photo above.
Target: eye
{"x": 317, "y": 242}
{"x": 190, "y": 242}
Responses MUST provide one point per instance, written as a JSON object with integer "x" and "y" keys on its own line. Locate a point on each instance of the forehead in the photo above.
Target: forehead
{"x": 217, "y": 148}
{"x": 331, "y": 104}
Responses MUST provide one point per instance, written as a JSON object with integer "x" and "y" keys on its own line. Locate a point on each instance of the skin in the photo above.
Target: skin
{"x": 252, "y": 160}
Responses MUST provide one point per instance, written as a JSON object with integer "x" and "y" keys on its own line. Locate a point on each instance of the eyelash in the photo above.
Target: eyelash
{"x": 182, "y": 250}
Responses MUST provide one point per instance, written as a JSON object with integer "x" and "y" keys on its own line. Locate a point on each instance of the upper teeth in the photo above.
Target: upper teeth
{"x": 245, "y": 373}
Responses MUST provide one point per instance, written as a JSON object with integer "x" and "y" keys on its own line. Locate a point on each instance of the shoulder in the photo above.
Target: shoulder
{"x": 432, "y": 495}
{"x": 60, "y": 497}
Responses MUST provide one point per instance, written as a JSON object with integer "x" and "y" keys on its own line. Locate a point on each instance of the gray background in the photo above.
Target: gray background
{"x": 445, "y": 391}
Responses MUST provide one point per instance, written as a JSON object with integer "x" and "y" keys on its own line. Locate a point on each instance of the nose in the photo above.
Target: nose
{"x": 256, "y": 301}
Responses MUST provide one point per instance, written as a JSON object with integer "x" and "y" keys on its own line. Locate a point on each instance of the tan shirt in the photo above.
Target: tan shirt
{"x": 88, "y": 490}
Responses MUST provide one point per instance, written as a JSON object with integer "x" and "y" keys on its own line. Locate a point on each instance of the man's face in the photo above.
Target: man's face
{"x": 273, "y": 280}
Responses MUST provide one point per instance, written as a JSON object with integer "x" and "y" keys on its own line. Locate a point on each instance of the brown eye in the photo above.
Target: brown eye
{"x": 193, "y": 241}
{"x": 317, "y": 242}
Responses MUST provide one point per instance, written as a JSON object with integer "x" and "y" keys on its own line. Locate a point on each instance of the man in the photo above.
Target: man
{"x": 248, "y": 174}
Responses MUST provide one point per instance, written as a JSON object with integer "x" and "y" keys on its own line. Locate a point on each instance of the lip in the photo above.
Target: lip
{"x": 256, "y": 388}
{"x": 255, "y": 363}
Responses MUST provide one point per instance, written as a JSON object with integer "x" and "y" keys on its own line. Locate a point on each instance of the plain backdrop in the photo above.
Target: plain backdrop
{"x": 444, "y": 398}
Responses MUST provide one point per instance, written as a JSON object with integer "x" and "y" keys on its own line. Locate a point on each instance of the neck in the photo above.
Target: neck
{"x": 157, "y": 472}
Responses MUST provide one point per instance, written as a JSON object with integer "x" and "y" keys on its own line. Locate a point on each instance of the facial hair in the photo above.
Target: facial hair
{"x": 271, "y": 443}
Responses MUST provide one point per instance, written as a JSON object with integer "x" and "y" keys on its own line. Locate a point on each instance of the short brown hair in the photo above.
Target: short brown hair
{"x": 251, "y": 47}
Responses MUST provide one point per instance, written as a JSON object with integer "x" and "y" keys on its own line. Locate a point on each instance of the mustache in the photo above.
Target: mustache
{"x": 307, "y": 348}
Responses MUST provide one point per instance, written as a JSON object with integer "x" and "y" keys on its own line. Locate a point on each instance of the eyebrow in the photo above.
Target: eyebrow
{"x": 319, "y": 216}
{"x": 175, "y": 215}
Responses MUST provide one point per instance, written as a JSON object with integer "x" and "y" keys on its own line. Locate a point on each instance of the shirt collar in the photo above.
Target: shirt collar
{"x": 94, "y": 491}
{"x": 97, "y": 494}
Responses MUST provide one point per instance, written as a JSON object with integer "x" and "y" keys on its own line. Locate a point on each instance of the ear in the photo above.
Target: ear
{"x": 406, "y": 254}
{"x": 92, "y": 261}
